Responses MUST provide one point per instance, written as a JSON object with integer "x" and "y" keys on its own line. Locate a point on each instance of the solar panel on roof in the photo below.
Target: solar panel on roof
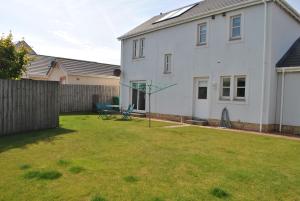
{"x": 175, "y": 13}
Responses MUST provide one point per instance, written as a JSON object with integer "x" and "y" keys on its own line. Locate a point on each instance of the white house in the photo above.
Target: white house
{"x": 221, "y": 54}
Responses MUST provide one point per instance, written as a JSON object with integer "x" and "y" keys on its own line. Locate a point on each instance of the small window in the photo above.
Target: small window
{"x": 202, "y": 34}
{"x": 235, "y": 27}
{"x": 142, "y": 47}
{"x": 135, "y": 49}
{"x": 168, "y": 63}
{"x": 240, "y": 88}
{"x": 202, "y": 90}
{"x": 225, "y": 87}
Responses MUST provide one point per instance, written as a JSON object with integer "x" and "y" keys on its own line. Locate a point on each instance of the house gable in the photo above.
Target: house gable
{"x": 203, "y": 9}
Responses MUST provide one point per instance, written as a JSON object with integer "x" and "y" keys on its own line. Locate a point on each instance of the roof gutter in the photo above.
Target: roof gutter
{"x": 288, "y": 69}
{"x": 215, "y": 12}
{"x": 284, "y": 4}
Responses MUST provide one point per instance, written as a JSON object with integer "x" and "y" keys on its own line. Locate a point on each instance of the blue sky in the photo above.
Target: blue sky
{"x": 81, "y": 29}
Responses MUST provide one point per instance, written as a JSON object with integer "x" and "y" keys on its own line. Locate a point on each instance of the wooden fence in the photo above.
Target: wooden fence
{"x": 28, "y": 105}
{"x": 80, "y": 98}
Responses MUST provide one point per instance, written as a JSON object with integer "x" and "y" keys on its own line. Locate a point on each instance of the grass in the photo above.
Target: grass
{"x": 24, "y": 166}
{"x": 43, "y": 175}
{"x": 125, "y": 160}
{"x": 63, "y": 162}
{"x": 131, "y": 179}
{"x": 76, "y": 169}
{"x": 98, "y": 198}
{"x": 219, "y": 193}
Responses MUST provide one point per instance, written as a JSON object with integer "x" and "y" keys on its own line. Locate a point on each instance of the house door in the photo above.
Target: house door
{"x": 201, "y": 102}
{"x": 138, "y": 96}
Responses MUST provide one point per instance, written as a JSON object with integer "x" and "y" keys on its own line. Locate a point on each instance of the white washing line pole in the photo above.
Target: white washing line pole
{"x": 282, "y": 99}
{"x": 264, "y": 68}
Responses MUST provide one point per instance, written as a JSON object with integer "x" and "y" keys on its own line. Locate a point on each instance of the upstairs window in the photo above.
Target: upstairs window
{"x": 225, "y": 88}
{"x": 167, "y": 63}
{"x": 135, "y": 49}
{"x": 235, "y": 27}
{"x": 240, "y": 88}
{"x": 142, "y": 45}
{"x": 202, "y": 34}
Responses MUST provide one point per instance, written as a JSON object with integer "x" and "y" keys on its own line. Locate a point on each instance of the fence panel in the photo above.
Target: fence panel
{"x": 27, "y": 105}
{"x": 79, "y": 98}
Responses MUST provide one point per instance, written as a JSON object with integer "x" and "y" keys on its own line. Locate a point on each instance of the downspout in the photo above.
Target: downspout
{"x": 264, "y": 67}
{"x": 121, "y": 91}
{"x": 282, "y": 99}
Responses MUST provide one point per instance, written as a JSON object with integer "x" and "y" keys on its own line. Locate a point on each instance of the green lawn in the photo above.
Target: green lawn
{"x": 90, "y": 159}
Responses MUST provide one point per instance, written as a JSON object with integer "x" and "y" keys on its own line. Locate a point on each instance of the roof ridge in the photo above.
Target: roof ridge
{"x": 163, "y": 13}
{"x": 55, "y": 57}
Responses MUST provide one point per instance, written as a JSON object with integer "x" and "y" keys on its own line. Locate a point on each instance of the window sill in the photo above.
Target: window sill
{"x": 167, "y": 73}
{"x": 224, "y": 99}
{"x": 201, "y": 45}
{"x": 138, "y": 59}
{"x": 239, "y": 100}
{"x": 232, "y": 102}
{"x": 235, "y": 40}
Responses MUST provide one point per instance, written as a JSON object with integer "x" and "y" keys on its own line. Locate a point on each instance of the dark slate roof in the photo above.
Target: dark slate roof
{"x": 292, "y": 57}
{"x": 41, "y": 65}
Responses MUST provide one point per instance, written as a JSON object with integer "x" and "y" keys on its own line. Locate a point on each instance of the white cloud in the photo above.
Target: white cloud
{"x": 67, "y": 37}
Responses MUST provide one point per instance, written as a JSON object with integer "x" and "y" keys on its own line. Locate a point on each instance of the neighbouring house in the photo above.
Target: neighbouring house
{"x": 233, "y": 54}
{"x": 70, "y": 71}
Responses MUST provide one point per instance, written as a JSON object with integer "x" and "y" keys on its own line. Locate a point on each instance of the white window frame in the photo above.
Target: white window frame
{"x": 199, "y": 43}
{"x": 135, "y": 47}
{"x": 142, "y": 48}
{"x": 236, "y": 87}
{"x": 167, "y": 63}
{"x": 227, "y": 98}
{"x": 138, "y": 82}
{"x": 232, "y": 27}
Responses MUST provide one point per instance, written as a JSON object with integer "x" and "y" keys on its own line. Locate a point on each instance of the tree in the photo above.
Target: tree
{"x": 13, "y": 60}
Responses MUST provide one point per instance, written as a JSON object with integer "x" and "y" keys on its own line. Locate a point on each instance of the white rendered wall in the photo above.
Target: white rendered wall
{"x": 219, "y": 58}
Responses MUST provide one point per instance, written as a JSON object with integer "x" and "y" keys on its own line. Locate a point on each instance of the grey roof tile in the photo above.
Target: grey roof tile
{"x": 292, "y": 57}
{"x": 201, "y": 9}
{"x": 41, "y": 65}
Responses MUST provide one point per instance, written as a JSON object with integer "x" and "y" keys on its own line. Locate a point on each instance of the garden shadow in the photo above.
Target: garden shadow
{"x": 24, "y": 139}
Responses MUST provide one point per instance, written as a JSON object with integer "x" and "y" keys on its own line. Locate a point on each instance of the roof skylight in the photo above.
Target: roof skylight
{"x": 175, "y": 13}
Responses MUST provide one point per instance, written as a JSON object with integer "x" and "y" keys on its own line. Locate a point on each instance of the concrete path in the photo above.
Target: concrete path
{"x": 180, "y": 125}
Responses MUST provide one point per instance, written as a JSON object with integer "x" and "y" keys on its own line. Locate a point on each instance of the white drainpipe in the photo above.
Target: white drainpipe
{"x": 282, "y": 99}
{"x": 264, "y": 67}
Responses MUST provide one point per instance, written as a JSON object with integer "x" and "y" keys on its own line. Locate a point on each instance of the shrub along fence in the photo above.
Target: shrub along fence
{"x": 81, "y": 98}
{"x": 27, "y": 105}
